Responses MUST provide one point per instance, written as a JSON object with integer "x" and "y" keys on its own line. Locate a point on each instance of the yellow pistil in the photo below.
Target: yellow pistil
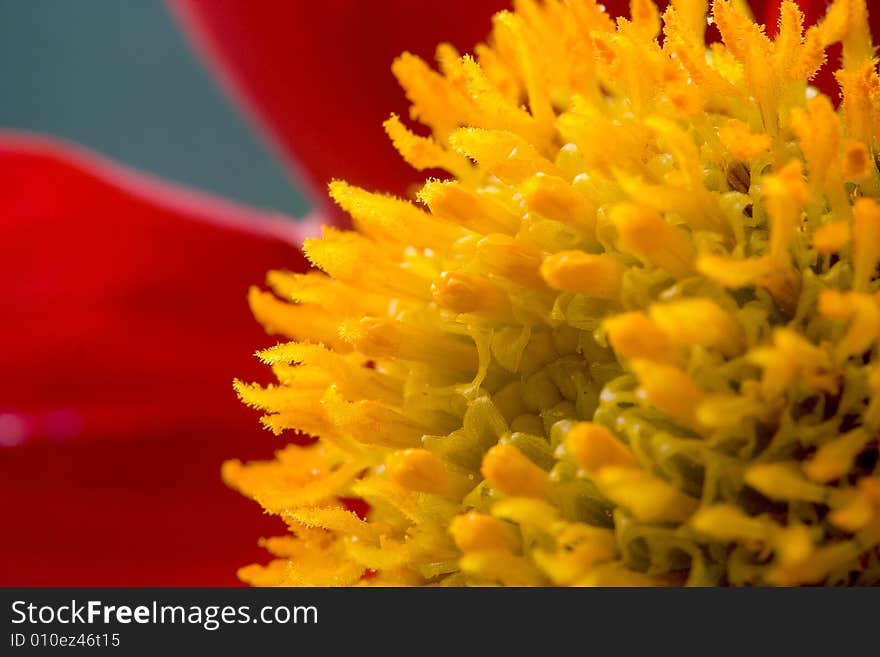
{"x": 630, "y": 340}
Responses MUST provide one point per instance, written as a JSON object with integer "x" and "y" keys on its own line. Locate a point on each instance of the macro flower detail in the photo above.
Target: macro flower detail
{"x": 627, "y": 338}
{"x": 101, "y": 257}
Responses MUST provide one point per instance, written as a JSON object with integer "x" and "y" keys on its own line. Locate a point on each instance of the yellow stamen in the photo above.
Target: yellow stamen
{"x": 424, "y": 152}
{"x": 556, "y": 199}
{"x": 508, "y": 470}
{"x": 511, "y": 258}
{"x": 419, "y": 470}
{"x": 834, "y": 459}
{"x": 575, "y": 271}
{"x": 466, "y": 293}
{"x": 741, "y": 142}
{"x": 454, "y": 202}
{"x": 593, "y": 447}
{"x": 699, "y": 321}
{"x": 644, "y": 233}
{"x": 634, "y": 335}
{"x": 647, "y": 497}
{"x": 629, "y": 341}
{"x": 730, "y": 523}
{"x": 385, "y": 338}
{"x": 475, "y": 532}
{"x": 781, "y": 481}
{"x": 668, "y": 388}
{"x": 866, "y": 239}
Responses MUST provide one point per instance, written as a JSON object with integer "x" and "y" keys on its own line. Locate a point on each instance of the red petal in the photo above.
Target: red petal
{"x": 140, "y": 512}
{"x": 125, "y": 318}
{"x": 317, "y": 75}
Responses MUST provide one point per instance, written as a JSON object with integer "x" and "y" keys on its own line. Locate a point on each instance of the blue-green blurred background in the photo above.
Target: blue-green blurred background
{"x": 117, "y": 77}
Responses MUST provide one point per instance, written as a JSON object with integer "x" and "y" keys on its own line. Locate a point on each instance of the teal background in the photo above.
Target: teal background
{"x": 118, "y": 77}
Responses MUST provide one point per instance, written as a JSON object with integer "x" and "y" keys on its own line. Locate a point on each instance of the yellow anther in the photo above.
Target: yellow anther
{"x": 720, "y": 411}
{"x": 730, "y": 523}
{"x": 791, "y": 356}
{"x": 513, "y": 259}
{"x": 510, "y": 471}
{"x": 473, "y": 210}
{"x": 462, "y": 292}
{"x": 863, "y": 314}
{"x": 386, "y": 338}
{"x": 593, "y": 447}
{"x": 648, "y": 498}
{"x": 669, "y": 389}
{"x": 419, "y": 470}
{"x": 506, "y": 155}
{"x": 782, "y": 481}
{"x": 497, "y": 566}
{"x": 793, "y": 546}
{"x": 634, "y": 335}
{"x": 862, "y": 509}
{"x": 556, "y": 199}
{"x": 866, "y": 242}
{"x": 700, "y": 321}
{"x": 734, "y": 273}
{"x": 585, "y": 273}
{"x": 643, "y": 232}
{"x": 741, "y": 142}
{"x": 831, "y": 238}
{"x": 355, "y": 260}
{"x": 529, "y": 512}
{"x": 785, "y": 194}
{"x": 834, "y": 459}
{"x": 475, "y": 532}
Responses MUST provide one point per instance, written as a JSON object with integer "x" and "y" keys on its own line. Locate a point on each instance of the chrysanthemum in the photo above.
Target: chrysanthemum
{"x": 627, "y": 338}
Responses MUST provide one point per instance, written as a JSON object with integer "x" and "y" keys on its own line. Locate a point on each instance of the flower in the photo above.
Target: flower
{"x": 125, "y": 313}
{"x": 628, "y": 338}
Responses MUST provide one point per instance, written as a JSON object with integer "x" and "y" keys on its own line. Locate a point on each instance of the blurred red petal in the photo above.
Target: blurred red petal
{"x": 141, "y": 512}
{"x": 125, "y": 319}
{"x": 317, "y": 75}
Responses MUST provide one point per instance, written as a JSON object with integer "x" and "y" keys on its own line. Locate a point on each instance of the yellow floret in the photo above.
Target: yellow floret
{"x": 630, "y": 341}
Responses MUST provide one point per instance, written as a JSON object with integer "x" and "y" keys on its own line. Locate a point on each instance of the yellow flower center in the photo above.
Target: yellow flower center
{"x": 629, "y": 340}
